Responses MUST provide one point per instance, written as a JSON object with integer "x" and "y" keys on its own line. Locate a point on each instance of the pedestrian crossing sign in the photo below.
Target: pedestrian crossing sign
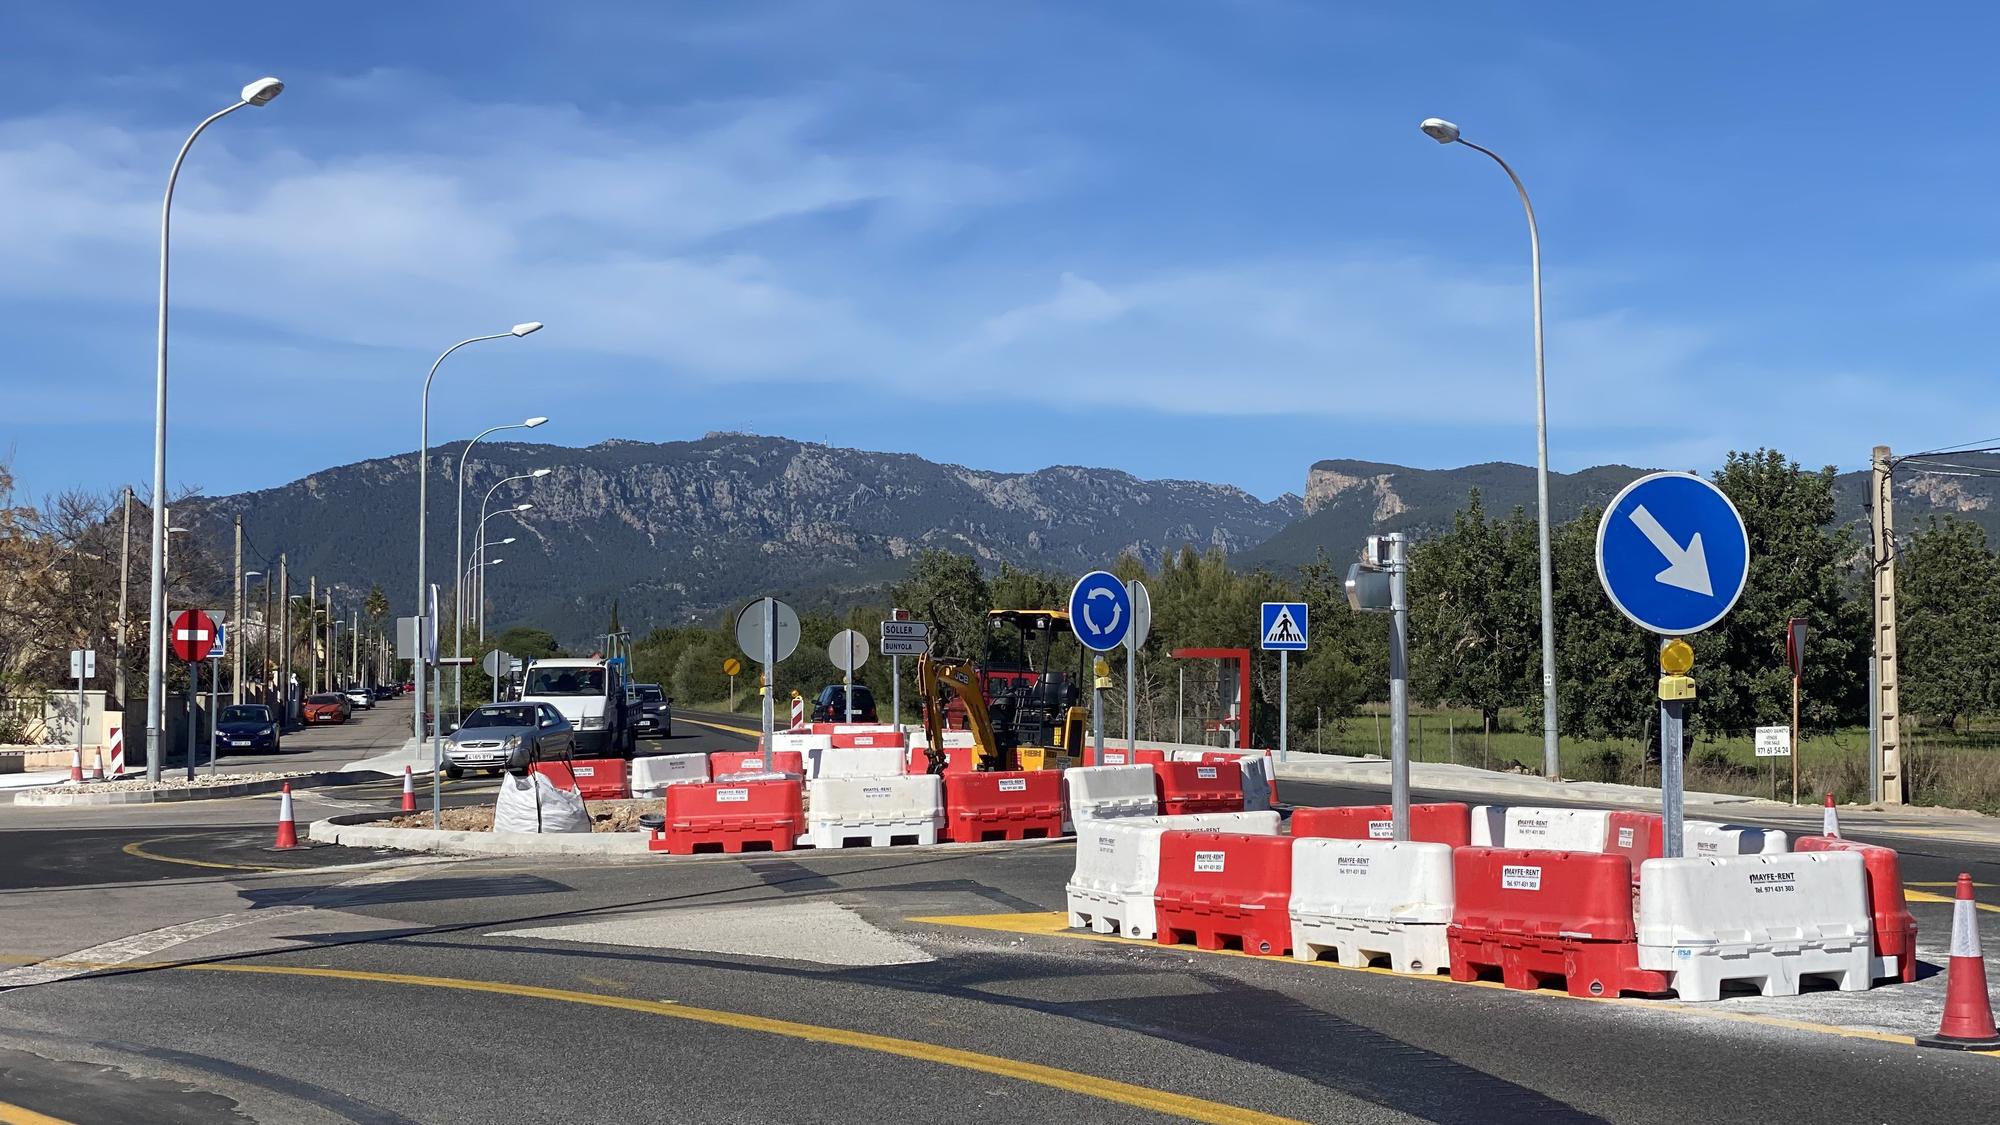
{"x": 1284, "y": 627}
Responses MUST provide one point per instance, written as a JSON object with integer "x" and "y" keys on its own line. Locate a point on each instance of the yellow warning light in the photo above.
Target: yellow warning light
{"x": 1102, "y": 668}
{"x": 1677, "y": 657}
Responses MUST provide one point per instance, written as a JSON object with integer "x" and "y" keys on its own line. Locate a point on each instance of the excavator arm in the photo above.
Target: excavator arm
{"x": 960, "y": 677}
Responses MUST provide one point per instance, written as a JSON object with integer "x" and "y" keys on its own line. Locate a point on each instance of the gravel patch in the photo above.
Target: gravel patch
{"x": 165, "y": 784}
{"x": 605, "y": 816}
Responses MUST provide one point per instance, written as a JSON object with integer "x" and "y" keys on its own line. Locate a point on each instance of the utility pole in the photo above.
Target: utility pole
{"x": 332, "y": 640}
{"x": 124, "y": 596}
{"x": 312, "y": 634}
{"x": 284, "y": 644}
{"x": 354, "y": 645}
{"x": 236, "y": 625}
{"x": 1888, "y": 706}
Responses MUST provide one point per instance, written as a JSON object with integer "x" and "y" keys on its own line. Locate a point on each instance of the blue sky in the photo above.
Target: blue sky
{"x": 1200, "y": 240}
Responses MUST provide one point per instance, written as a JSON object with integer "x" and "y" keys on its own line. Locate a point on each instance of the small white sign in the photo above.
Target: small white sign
{"x": 724, "y": 795}
{"x": 1013, "y": 785}
{"x": 1381, "y": 830}
{"x": 1204, "y": 773}
{"x": 1513, "y": 878}
{"x": 912, "y": 630}
{"x": 905, "y": 646}
{"x": 1208, "y": 861}
{"x": 1774, "y": 742}
{"x": 1624, "y": 837}
{"x": 82, "y": 663}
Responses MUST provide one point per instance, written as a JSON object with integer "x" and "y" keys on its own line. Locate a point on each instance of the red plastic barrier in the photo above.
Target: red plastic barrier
{"x": 1534, "y": 916}
{"x": 1216, "y": 889}
{"x": 1638, "y": 836}
{"x": 731, "y": 817}
{"x": 602, "y": 779}
{"x": 558, "y": 774}
{"x": 750, "y": 761}
{"x": 957, "y": 759}
{"x": 872, "y": 739}
{"x": 1027, "y": 805}
{"x": 1270, "y": 764}
{"x": 1442, "y": 823}
{"x": 1119, "y": 756}
{"x": 1895, "y": 927}
{"x": 1197, "y": 787}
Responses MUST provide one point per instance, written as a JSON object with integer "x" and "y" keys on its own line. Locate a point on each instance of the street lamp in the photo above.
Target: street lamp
{"x": 423, "y": 506}
{"x": 536, "y": 474}
{"x": 1444, "y": 133}
{"x": 479, "y": 585}
{"x": 256, "y": 93}
{"x": 458, "y": 560}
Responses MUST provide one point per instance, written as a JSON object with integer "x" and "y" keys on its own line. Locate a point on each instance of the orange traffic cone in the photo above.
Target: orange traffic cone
{"x": 1829, "y": 822}
{"x": 75, "y": 766}
{"x": 1968, "y": 1010}
{"x": 409, "y": 792}
{"x": 288, "y": 830}
{"x": 97, "y": 770}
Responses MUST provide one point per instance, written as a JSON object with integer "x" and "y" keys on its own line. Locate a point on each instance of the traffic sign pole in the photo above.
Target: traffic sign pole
{"x": 1672, "y": 791}
{"x": 1284, "y": 701}
{"x": 770, "y": 681}
{"x": 194, "y": 714}
{"x": 847, "y": 677}
{"x": 1399, "y": 689}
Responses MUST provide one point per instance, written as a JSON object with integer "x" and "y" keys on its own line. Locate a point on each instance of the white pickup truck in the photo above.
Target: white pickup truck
{"x": 590, "y": 693}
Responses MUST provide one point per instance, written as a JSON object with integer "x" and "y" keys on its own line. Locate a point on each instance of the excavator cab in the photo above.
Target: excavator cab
{"x": 1024, "y": 714}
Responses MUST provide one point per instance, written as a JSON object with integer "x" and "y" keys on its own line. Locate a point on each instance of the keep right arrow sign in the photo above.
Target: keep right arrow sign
{"x": 1672, "y": 553}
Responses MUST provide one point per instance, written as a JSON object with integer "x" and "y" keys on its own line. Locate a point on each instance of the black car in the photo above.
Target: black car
{"x": 246, "y": 727}
{"x": 651, "y": 711}
{"x": 831, "y": 706}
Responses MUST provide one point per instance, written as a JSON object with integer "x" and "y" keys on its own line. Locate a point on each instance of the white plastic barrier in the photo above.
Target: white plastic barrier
{"x": 803, "y": 743}
{"x": 859, "y": 761}
{"x": 1108, "y": 792}
{"x": 1118, "y": 866}
{"x": 1489, "y": 825}
{"x": 876, "y": 811}
{"x": 1258, "y": 773}
{"x": 652, "y": 774}
{"x": 1704, "y": 838}
{"x": 1368, "y": 899}
{"x": 1525, "y": 826}
{"x": 952, "y": 739}
{"x": 1764, "y": 919}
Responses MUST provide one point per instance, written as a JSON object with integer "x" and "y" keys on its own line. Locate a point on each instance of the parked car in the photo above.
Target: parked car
{"x": 652, "y": 712}
{"x": 326, "y": 707}
{"x": 409, "y": 686}
{"x": 384, "y": 691}
{"x": 361, "y": 698}
{"x": 491, "y": 734}
{"x": 831, "y": 706}
{"x": 246, "y": 726}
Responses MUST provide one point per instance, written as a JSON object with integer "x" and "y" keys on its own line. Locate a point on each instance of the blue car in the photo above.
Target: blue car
{"x": 246, "y": 728}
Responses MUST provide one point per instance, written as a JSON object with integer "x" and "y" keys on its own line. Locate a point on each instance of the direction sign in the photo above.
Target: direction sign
{"x": 1672, "y": 553}
{"x": 750, "y": 629}
{"x": 192, "y": 635}
{"x": 848, "y": 650}
{"x": 1142, "y": 615}
{"x": 1100, "y": 610}
{"x": 911, "y": 629}
{"x": 1774, "y": 742}
{"x": 731, "y": 666}
{"x": 905, "y": 646}
{"x": 1284, "y": 627}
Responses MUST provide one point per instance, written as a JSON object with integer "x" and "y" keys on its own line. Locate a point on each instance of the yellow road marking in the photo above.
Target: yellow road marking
{"x": 137, "y": 850}
{"x": 1056, "y": 924}
{"x": 750, "y": 731}
{"x": 1106, "y": 1089}
{"x": 11, "y": 1114}
{"x": 1926, "y": 896}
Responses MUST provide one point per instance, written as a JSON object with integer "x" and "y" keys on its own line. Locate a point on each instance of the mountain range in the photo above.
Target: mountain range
{"x": 676, "y": 531}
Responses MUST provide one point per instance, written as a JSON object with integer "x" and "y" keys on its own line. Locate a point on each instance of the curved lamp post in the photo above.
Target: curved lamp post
{"x": 257, "y": 93}
{"x": 1444, "y": 133}
{"x": 458, "y": 559}
{"x": 479, "y": 584}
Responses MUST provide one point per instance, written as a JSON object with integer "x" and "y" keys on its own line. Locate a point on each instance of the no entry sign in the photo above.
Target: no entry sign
{"x": 192, "y": 635}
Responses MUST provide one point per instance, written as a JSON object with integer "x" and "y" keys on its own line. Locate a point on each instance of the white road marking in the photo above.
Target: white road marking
{"x": 819, "y": 932}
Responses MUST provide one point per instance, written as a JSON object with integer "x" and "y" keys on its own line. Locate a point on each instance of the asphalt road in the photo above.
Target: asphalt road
{"x": 808, "y": 988}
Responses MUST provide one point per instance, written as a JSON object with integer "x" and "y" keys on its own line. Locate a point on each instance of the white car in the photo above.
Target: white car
{"x": 591, "y": 695}
{"x": 362, "y": 698}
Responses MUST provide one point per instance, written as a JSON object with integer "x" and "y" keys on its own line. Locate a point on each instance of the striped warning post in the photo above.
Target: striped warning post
{"x": 117, "y": 754}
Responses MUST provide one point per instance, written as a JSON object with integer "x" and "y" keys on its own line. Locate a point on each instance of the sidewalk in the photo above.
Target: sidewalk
{"x": 1504, "y": 788}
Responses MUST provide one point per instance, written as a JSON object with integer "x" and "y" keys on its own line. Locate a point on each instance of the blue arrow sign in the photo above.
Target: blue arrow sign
{"x": 1100, "y": 610}
{"x": 1672, "y": 553}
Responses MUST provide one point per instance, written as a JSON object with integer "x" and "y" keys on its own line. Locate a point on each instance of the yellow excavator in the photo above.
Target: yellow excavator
{"x": 1022, "y": 716}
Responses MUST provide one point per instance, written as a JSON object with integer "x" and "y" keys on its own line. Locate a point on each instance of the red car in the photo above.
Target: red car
{"x": 326, "y": 707}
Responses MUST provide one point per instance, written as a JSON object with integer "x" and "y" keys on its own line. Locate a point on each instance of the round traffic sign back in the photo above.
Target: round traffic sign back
{"x": 750, "y": 630}
{"x": 848, "y": 650}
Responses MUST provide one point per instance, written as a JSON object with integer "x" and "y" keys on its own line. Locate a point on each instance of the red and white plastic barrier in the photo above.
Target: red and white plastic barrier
{"x": 1118, "y": 867}
{"x": 1447, "y": 823}
{"x": 731, "y": 817}
{"x": 1023, "y": 805}
{"x": 1893, "y": 926}
{"x": 1369, "y": 900}
{"x": 1199, "y": 787}
{"x": 722, "y": 763}
{"x": 1768, "y": 920}
{"x": 858, "y": 761}
{"x": 1539, "y": 915}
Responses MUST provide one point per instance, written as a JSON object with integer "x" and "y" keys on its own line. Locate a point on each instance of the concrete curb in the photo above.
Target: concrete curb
{"x": 204, "y": 793}
{"x": 1467, "y": 779}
